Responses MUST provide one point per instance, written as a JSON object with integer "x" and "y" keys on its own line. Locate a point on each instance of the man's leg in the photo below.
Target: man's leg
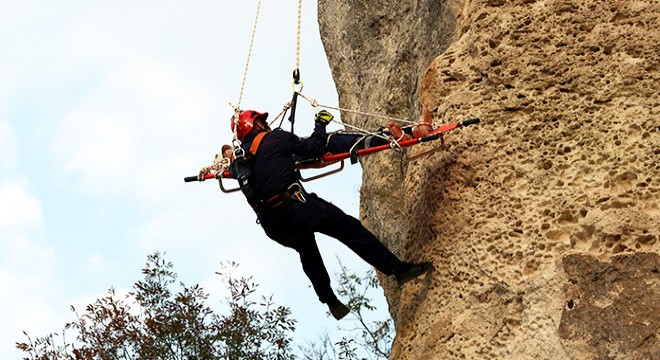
{"x": 312, "y": 264}
{"x": 350, "y": 231}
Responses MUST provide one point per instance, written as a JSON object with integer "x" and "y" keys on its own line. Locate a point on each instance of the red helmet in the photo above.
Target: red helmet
{"x": 246, "y": 120}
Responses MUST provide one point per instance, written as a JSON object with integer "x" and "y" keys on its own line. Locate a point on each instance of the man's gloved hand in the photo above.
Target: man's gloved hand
{"x": 323, "y": 118}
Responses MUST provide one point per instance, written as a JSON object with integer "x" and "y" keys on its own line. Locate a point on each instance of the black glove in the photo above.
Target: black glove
{"x": 323, "y": 118}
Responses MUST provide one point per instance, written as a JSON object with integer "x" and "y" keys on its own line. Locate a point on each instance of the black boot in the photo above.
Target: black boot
{"x": 411, "y": 271}
{"x": 338, "y": 309}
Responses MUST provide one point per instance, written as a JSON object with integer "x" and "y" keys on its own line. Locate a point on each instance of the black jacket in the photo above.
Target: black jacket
{"x": 273, "y": 168}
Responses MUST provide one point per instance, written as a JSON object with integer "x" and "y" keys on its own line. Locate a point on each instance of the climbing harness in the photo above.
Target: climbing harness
{"x": 277, "y": 203}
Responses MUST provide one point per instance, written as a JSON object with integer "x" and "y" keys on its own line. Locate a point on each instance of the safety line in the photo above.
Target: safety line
{"x": 316, "y": 104}
{"x": 298, "y": 34}
{"x": 247, "y": 63}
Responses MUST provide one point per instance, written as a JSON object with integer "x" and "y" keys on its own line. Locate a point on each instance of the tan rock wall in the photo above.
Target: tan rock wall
{"x": 543, "y": 221}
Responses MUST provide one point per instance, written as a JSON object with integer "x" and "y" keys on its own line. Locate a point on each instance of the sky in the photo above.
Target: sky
{"x": 105, "y": 106}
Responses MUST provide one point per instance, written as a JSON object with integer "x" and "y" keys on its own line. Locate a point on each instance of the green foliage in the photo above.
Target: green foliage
{"x": 370, "y": 339}
{"x": 375, "y": 336}
{"x": 154, "y": 323}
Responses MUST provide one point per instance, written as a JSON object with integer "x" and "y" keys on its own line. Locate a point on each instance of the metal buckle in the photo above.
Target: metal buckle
{"x": 296, "y": 191}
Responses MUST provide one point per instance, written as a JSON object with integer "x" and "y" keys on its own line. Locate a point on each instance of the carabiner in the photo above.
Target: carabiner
{"x": 296, "y": 76}
{"x": 293, "y": 86}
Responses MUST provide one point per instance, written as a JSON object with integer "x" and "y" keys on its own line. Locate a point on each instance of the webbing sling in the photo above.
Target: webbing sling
{"x": 254, "y": 147}
{"x": 243, "y": 169}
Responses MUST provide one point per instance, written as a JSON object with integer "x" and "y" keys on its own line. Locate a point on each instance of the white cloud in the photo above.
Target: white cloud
{"x": 8, "y": 150}
{"x": 18, "y": 209}
{"x": 29, "y": 293}
{"x": 133, "y": 129}
{"x": 25, "y": 265}
{"x": 25, "y": 306}
{"x": 96, "y": 146}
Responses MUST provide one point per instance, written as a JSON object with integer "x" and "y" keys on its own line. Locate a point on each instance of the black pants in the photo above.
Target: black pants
{"x": 296, "y": 230}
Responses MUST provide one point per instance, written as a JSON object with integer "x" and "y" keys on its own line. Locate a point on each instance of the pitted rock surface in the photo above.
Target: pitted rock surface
{"x": 543, "y": 221}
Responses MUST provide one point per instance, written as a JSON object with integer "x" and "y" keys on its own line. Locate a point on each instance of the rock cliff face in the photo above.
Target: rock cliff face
{"x": 543, "y": 221}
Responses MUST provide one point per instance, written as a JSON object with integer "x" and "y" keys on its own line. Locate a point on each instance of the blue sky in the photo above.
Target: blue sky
{"x": 104, "y": 107}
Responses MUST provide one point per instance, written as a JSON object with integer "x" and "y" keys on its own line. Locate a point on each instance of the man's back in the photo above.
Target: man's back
{"x": 273, "y": 168}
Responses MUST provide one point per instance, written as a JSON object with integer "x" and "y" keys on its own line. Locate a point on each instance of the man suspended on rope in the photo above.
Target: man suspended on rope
{"x": 265, "y": 170}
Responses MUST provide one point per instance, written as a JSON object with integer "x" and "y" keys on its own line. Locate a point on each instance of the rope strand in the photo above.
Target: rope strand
{"x": 298, "y": 34}
{"x": 282, "y": 114}
{"x": 316, "y": 104}
{"x": 247, "y": 64}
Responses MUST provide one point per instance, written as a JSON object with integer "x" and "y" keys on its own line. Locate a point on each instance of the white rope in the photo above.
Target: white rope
{"x": 220, "y": 164}
{"x": 235, "y": 118}
{"x": 394, "y": 143}
{"x": 285, "y": 108}
{"x": 247, "y": 64}
{"x": 316, "y": 104}
{"x": 298, "y": 34}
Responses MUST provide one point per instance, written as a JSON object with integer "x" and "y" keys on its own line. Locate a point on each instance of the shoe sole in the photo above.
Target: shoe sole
{"x": 340, "y": 312}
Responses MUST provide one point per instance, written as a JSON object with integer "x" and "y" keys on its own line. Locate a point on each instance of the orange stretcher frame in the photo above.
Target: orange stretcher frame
{"x": 330, "y": 159}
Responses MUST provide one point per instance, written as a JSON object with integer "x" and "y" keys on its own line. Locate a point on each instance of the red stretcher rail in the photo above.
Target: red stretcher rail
{"x": 434, "y": 135}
